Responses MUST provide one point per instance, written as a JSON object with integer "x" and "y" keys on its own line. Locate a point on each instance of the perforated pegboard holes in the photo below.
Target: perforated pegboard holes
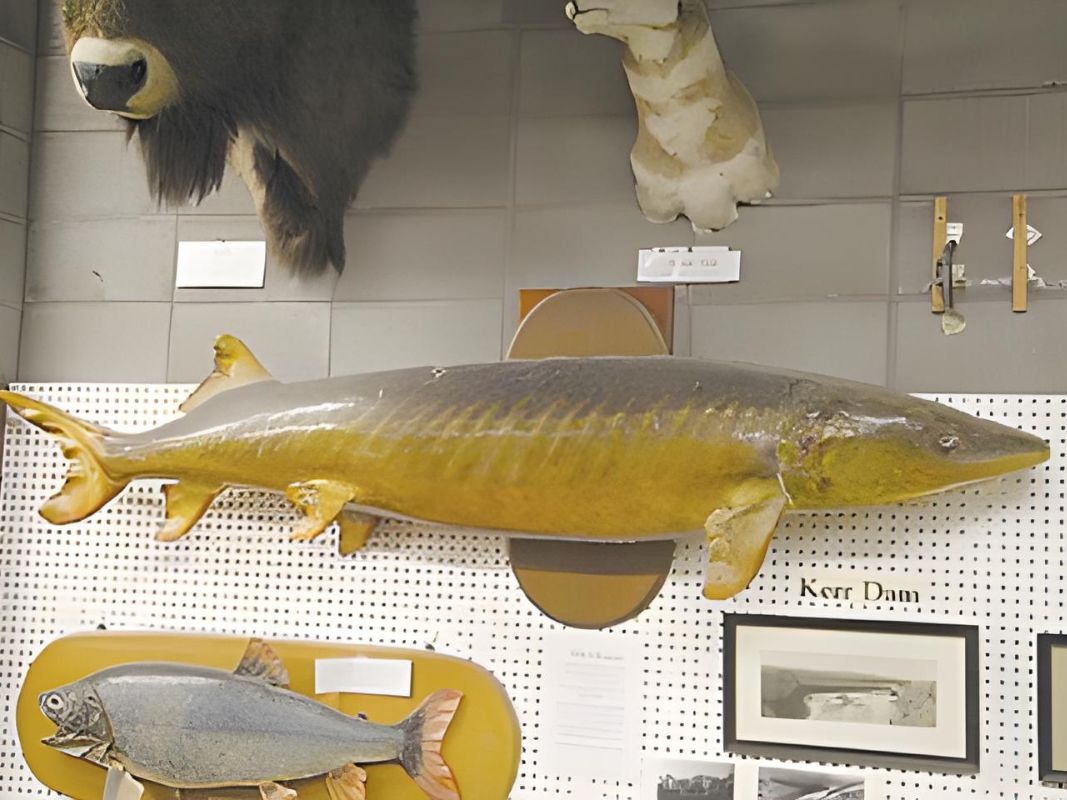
{"x": 995, "y": 555}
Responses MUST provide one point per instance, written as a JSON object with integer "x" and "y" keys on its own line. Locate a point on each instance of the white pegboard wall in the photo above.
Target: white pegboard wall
{"x": 992, "y": 555}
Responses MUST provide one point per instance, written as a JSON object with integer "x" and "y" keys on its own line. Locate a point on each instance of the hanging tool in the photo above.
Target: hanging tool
{"x": 952, "y": 321}
{"x": 945, "y": 243}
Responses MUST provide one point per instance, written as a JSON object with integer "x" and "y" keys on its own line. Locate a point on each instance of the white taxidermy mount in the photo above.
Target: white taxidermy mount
{"x": 700, "y": 146}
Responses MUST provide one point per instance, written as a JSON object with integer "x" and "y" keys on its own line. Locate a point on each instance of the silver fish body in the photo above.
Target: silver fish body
{"x": 193, "y": 727}
{"x": 196, "y": 727}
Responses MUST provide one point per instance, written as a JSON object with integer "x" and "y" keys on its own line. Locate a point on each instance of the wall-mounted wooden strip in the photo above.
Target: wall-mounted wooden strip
{"x": 1020, "y": 273}
{"x": 937, "y": 295}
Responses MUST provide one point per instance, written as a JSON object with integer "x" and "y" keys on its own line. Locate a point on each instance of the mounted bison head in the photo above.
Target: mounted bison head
{"x": 299, "y": 97}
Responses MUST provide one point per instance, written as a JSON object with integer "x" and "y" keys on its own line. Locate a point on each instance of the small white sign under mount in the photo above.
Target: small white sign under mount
{"x": 689, "y": 265}
{"x": 221, "y": 265}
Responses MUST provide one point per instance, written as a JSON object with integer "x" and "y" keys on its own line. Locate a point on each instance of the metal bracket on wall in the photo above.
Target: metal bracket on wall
{"x": 1020, "y": 270}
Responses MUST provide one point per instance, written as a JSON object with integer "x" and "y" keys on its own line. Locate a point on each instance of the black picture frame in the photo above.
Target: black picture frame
{"x": 1046, "y": 643}
{"x": 968, "y": 765}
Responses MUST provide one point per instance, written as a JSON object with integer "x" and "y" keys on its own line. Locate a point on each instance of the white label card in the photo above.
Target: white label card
{"x": 592, "y": 701}
{"x": 221, "y": 265}
{"x": 689, "y": 265}
{"x": 381, "y": 676}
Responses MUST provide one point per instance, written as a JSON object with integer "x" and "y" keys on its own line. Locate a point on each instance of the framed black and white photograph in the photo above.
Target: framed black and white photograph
{"x": 782, "y": 783}
{"x": 889, "y": 694}
{"x": 680, "y": 779}
{"x": 1052, "y": 707}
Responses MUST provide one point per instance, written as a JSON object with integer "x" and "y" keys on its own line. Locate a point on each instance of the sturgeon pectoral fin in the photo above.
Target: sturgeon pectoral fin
{"x": 275, "y": 791}
{"x": 320, "y": 502}
{"x": 234, "y": 366}
{"x": 347, "y": 783}
{"x": 186, "y": 503}
{"x": 356, "y": 527}
{"x": 261, "y": 662}
{"x": 738, "y": 537}
{"x": 120, "y": 786}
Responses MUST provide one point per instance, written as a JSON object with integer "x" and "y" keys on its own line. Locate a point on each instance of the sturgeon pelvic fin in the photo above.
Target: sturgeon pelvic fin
{"x": 738, "y": 536}
{"x": 424, "y": 733}
{"x": 234, "y": 366}
{"x": 187, "y": 502}
{"x": 88, "y": 486}
{"x": 356, "y": 528}
{"x": 347, "y": 783}
{"x": 320, "y": 502}
{"x": 262, "y": 663}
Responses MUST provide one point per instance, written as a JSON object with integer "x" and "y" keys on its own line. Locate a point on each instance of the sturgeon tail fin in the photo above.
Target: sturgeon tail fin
{"x": 88, "y": 485}
{"x": 424, "y": 733}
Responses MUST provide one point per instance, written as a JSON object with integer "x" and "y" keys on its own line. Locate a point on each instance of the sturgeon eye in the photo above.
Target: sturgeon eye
{"x": 54, "y": 702}
{"x": 949, "y": 441}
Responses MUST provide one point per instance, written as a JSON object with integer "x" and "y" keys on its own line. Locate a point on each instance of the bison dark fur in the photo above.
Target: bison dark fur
{"x": 300, "y": 95}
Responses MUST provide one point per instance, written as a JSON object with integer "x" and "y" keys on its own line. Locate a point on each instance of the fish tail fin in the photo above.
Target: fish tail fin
{"x": 424, "y": 733}
{"x": 88, "y": 485}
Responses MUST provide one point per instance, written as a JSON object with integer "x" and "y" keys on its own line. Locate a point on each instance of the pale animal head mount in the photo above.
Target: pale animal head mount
{"x": 701, "y": 147}
{"x": 299, "y": 98}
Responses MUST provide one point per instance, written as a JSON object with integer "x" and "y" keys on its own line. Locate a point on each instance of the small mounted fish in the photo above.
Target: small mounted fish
{"x": 187, "y": 727}
{"x": 614, "y": 449}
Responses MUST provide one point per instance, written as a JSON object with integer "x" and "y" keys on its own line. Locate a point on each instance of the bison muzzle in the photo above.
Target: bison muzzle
{"x": 299, "y": 98}
{"x": 131, "y": 79}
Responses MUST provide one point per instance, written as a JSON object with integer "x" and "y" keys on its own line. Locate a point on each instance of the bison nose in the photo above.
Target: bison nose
{"x": 129, "y": 78}
{"x": 108, "y": 87}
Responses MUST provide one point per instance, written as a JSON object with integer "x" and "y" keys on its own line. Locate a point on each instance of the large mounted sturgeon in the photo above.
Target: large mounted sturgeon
{"x": 595, "y": 449}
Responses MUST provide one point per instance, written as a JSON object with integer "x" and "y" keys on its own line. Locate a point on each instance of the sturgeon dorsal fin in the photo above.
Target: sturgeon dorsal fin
{"x": 262, "y": 663}
{"x": 234, "y": 366}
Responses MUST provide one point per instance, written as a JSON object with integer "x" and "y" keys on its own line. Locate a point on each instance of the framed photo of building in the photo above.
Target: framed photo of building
{"x": 899, "y": 695}
{"x": 1052, "y": 707}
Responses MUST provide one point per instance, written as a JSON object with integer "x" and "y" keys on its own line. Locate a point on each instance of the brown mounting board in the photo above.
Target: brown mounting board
{"x": 483, "y": 745}
{"x": 585, "y": 584}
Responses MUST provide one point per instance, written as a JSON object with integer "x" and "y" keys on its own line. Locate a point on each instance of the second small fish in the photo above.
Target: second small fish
{"x": 189, "y": 727}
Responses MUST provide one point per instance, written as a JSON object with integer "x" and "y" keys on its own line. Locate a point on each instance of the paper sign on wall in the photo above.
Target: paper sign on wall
{"x": 707, "y": 264}
{"x": 221, "y": 265}
{"x": 380, "y": 676}
{"x": 592, "y": 697}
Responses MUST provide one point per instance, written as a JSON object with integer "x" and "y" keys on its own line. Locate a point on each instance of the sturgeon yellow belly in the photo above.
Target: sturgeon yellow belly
{"x": 620, "y": 488}
{"x": 610, "y": 449}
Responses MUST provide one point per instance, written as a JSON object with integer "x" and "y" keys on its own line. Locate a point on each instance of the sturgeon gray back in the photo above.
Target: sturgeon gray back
{"x": 609, "y": 385}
